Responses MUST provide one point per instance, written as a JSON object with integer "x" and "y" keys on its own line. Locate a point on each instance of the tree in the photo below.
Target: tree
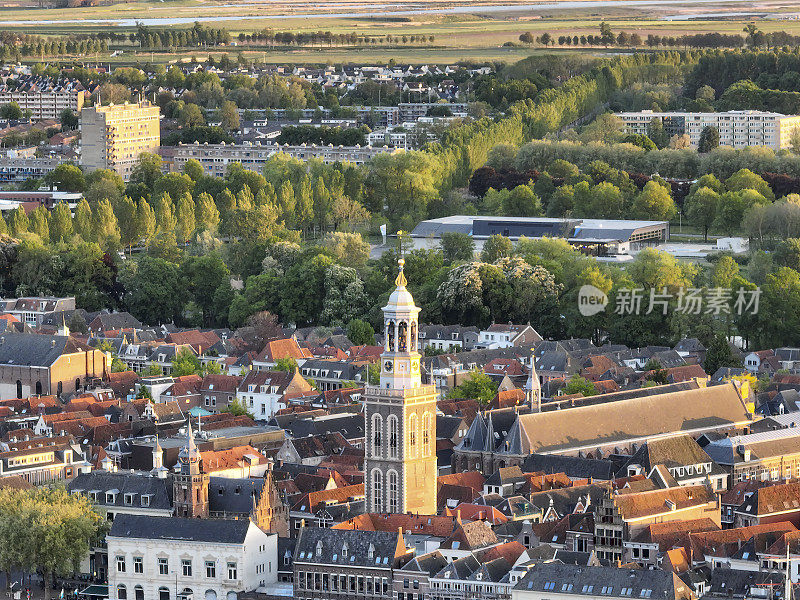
{"x": 174, "y": 184}
{"x": 206, "y": 213}
{"x": 709, "y": 139}
{"x": 478, "y": 386}
{"x": 360, "y": 333}
{"x": 701, "y": 208}
{"x": 719, "y": 354}
{"x": 82, "y": 222}
{"x": 47, "y": 529}
{"x": 787, "y": 254}
{"x": 527, "y": 38}
{"x": 185, "y": 217}
{"x": 229, "y": 116}
{"x": 495, "y": 248}
{"x": 237, "y": 409}
{"x": 39, "y": 223}
{"x": 349, "y": 249}
{"x": 69, "y": 120}
{"x": 344, "y": 298}
{"x": 67, "y": 178}
{"x": 186, "y": 363}
{"x": 545, "y": 39}
{"x": 147, "y": 170}
{"x": 724, "y": 272}
{"x": 745, "y": 179}
{"x": 11, "y": 110}
{"x": 106, "y": 228}
{"x": 457, "y": 246}
{"x": 579, "y": 385}
{"x": 653, "y": 203}
{"x": 203, "y": 275}
{"x": 606, "y": 128}
{"x": 285, "y": 364}
{"x": 145, "y": 224}
{"x": 193, "y": 169}
{"x": 190, "y": 115}
{"x": 154, "y": 290}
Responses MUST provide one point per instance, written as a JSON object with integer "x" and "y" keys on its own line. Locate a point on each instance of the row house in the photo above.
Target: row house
{"x": 331, "y": 564}
{"x": 508, "y": 335}
{"x": 264, "y": 392}
{"x": 451, "y": 338}
{"x": 333, "y": 374}
{"x": 572, "y": 582}
{"x": 772, "y": 455}
{"x": 46, "y": 463}
{"x": 217, "y": 391}
{"x": 681, "y": 457}
{"x": 623, "y": 516}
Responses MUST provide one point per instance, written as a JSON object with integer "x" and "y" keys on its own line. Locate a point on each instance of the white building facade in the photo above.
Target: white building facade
{"x": 171, "y": 558}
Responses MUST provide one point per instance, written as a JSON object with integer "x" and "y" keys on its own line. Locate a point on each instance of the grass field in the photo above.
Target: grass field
{"x": 476, "y": 35}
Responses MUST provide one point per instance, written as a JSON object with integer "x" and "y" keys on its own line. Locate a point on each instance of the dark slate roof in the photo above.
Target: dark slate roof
{"x": 22, "y": 349}
{"x": 233, "y": 495}
{"x": 689, "y": 345}
{"x": 589, "y": 581}
{"x": 430, "y": 563}
{"x": 331, "y": 369}
{"x": 447, "y": 427}
{"x": 117, "y": 320}
{"x": 159, "y": 490}
{"x": 726, "y": 372}
{"x": 737, "y": 583}
{"x": 221, "y": 531}
{"x": 331, "y": 542}
{"x": 350, "y": 425}
{"x": 572, "y": 466}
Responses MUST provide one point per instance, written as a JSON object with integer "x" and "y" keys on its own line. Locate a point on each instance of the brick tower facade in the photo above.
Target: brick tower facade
{"x": 190, "y": 488}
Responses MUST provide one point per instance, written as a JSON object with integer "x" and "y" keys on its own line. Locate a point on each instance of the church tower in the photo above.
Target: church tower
{"x": 190, "y": 489}
{"x": 533, "y": 389}
{"x": 400, "y": 418}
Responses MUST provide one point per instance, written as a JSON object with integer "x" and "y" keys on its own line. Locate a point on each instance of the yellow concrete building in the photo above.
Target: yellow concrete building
{"x": 113, "y": 137}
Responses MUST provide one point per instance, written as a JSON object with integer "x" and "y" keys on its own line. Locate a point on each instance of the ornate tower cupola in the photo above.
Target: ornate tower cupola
{"x": 533, "y": 389}
{"x": 400, "y": 359}
{"x": 189, "y": 456}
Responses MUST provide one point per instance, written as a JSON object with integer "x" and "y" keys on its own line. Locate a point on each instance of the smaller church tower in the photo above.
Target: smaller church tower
{"x": 190, "y": 491}
{"x": 270, "y": 513}
{"x": 158, "y": 461}
{"x": 533, "y": 389}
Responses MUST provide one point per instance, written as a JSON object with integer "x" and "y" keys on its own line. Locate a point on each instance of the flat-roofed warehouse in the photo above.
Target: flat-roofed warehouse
{"x": 597, "y": 237}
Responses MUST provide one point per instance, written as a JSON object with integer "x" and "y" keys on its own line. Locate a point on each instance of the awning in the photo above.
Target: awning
{"x": 95, "y": 591}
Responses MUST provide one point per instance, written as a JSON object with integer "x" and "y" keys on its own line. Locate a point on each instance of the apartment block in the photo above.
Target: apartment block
{"x": 113, "y": 137}
{"x": 45, "y": 99}
{"x": 215, "y": 158}
{"x": 737, "y": 128}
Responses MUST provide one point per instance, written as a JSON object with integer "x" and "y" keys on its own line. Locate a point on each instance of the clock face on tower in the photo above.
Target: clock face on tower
{"x": 387, "y": 366}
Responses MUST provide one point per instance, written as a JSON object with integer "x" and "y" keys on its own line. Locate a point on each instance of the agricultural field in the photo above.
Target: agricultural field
{"x": 461, "y": 30}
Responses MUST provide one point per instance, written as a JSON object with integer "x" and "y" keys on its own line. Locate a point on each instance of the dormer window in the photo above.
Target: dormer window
{"x": 319, "y": 548}
{"x": 371, "y": 552}
{"x": 345, "y": 550}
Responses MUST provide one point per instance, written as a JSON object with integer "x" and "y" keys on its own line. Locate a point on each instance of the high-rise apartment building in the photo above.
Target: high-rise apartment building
{"x": 113, "y": 137}
{"x": 737, "y": 128}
